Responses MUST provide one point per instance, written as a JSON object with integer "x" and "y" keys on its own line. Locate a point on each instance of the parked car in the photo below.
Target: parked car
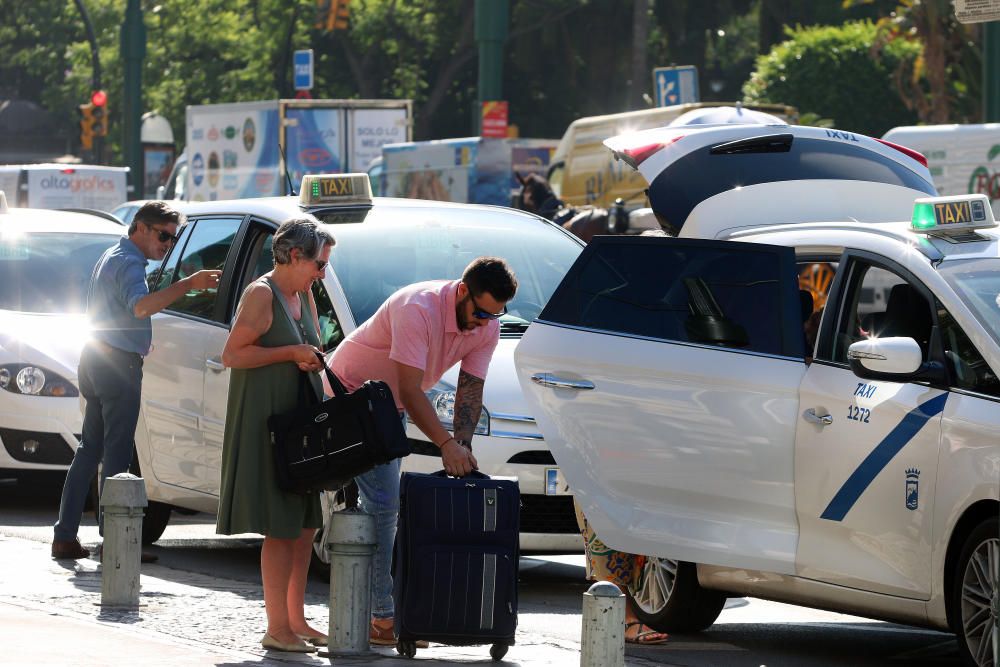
{"x": 382, "y": 244}
{"x": 701, "y": 422}
{"x": 46, "y": 258}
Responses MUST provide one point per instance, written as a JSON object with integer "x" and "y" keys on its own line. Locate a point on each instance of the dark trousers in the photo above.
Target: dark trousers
{"x": 110, "y": 383}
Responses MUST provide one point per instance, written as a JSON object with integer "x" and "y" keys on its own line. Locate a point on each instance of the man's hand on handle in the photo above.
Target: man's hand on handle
{"x": 458, "y": 461}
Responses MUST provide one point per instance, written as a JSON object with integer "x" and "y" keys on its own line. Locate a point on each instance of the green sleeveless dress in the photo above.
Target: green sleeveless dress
{"x": 249, "y": 498}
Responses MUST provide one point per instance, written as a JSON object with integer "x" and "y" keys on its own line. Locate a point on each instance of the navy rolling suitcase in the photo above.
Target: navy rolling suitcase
{"x": 455, "y": 561}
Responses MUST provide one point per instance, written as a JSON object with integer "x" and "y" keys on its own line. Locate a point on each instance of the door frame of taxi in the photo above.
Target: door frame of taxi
{"x": 866, "y": 458}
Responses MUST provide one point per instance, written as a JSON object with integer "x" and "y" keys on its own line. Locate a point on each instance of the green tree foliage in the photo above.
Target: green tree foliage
{"x": 830, "y": 71}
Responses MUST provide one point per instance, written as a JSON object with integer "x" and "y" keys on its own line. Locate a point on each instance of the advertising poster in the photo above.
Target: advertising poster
{"x": 101, "y": 188}
{"x": 437, "y": 170}
{"x": 233, "y": 151}
{"x": 157, "y": 162}
{"x": 313, "y": 142}
{"x": 370, "y": 129}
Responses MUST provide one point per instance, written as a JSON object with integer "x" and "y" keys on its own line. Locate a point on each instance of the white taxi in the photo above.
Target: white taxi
{"x": 46, "y": 258}
{"x": 382, "y": 245}
{"x": 835, "y": 447}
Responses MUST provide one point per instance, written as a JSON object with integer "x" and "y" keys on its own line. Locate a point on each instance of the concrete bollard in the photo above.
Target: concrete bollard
{"x": 122, "y": 500}
{"x": 351, "y": 544}
{"x": 603, "y": 639}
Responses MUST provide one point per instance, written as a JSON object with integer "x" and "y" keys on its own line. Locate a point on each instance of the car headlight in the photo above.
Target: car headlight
{"x": 35, "y": 381}
{"x": 442, "y": 398}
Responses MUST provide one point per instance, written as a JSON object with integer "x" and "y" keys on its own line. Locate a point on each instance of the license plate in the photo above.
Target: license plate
{"x": 555, "y": 483}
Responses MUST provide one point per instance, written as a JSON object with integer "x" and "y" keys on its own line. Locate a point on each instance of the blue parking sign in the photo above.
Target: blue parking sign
{"x": 675, "y": 85}
{"x": 302, "y": 64}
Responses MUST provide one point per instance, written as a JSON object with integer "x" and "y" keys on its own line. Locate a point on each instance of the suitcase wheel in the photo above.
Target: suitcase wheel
{"x": 498, "y": 651}
{"x": 409, "y": 649}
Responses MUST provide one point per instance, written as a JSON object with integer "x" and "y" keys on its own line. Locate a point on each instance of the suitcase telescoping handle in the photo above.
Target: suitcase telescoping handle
{"x": 475, "y": 474}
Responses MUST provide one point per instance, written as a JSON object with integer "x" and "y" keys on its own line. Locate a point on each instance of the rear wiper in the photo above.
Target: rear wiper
{"x": 768, "y": 143}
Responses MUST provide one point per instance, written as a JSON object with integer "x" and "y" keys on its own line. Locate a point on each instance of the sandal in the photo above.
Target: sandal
{"x": 381, "y": 635}
{"x": 645, "y": 637}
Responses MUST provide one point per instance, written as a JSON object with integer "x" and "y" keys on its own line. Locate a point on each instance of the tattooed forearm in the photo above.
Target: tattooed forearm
{"x": 468, "y": 407}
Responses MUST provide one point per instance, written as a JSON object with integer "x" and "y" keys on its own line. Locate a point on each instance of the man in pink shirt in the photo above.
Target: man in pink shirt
{"x": 415, "y": 336}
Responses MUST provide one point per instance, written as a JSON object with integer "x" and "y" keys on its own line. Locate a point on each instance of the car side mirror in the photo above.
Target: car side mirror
{"x": 894, "y": 359}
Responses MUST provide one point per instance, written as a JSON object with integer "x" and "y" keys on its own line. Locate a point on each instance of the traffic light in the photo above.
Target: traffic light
{"x": 332, "y": 14}
{"x": 99, "y": 101}
{"x": 86, "y": 126}
{"x": 341, "y": 14}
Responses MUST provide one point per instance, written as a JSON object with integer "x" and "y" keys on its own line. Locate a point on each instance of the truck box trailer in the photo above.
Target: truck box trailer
{"x": 260, "y": 149}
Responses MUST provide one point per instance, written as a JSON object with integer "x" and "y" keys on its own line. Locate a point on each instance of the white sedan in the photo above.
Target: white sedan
{"x": 702, "y": 418}
{"x": 46, "y": 258}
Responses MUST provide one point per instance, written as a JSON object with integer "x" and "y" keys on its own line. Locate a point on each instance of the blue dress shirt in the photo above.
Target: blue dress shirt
{"x": 117, "y": 284}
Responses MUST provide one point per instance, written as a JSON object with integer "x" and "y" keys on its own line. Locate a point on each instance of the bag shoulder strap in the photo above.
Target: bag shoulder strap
{"x": 335, "y": 383}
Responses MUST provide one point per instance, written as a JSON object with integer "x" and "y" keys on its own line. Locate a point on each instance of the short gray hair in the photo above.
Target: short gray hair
{"x": 302, "y": 233}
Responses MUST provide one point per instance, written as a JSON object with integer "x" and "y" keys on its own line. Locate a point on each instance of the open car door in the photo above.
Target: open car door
{"x": 664, "y": 375}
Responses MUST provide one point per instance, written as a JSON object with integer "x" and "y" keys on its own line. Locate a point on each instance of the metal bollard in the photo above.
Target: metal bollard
{"x": 122, "y": 500}
{"x": 351, "y": 545}
{"x": 603, "y": 638}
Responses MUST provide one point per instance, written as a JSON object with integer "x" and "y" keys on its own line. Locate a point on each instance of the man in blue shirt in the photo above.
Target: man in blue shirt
{"x": 119, "y": 305}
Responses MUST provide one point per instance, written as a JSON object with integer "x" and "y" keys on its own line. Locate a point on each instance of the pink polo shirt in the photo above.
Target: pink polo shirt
{"x": 416, "y": 326}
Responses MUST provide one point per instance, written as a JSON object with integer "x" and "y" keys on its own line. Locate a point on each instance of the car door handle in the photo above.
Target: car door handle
{"x": 215, "y": 364}
{"x": 813, "y": 418}
{"x": 549, "y": 380}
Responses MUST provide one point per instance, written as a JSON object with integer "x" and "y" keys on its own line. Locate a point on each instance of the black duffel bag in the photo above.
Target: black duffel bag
{"x": 323, "y": 445}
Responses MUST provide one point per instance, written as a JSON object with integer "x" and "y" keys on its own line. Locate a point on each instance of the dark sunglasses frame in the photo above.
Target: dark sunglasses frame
{"x": 481, "y": 314}
{"x": 164, "y": 235}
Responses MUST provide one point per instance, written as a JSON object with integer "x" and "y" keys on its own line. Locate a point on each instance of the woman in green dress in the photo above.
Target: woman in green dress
{"x": 266, "y": 353}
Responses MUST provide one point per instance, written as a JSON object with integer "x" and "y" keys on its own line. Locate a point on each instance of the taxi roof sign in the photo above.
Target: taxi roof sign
{"x": 951, "y": 215}
{"x": 335, "y": 190}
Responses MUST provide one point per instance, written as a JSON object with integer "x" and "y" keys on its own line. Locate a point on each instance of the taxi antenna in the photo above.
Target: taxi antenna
{"x": 288, "y": 177}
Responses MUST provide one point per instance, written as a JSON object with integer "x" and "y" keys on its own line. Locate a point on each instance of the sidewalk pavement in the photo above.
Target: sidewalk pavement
{"x": 50, "y": 614}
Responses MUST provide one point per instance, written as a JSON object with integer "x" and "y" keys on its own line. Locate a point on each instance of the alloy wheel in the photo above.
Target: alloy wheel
{"x": 656, "y": 582}
{"x": 980, "y": 602}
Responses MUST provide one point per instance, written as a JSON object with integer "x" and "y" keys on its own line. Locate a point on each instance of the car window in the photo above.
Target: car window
{"x": 968, "y": 368}
{"x": 388, "y": 251}
{"x": 815, "y": 281}
{"x": 49, "y": 273}
{"x": 734, "y": 295}
{"x": 207, "y": 246}
{"x": 261, "y": 261}
{"x": 880, "y": 303}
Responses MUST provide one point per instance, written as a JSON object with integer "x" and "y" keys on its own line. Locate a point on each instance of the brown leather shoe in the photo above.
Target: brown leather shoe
{"x": 69, "y": 549}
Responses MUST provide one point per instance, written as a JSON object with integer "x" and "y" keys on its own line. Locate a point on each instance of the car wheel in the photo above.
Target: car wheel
{"x": 975, "y": 591}
{"x": 331, "y": 501}
{"x": 669, "y": 598}
{"x": 155, "y": 522}
{"x": 156, "y": 516}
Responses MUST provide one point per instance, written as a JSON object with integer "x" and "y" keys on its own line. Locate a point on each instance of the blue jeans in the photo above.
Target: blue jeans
{"x": 111, "y": 382}
{"x": 379, "y": 496}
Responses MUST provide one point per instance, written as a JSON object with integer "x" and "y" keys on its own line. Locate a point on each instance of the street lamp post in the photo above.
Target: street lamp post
{"x": 133, "y": 45}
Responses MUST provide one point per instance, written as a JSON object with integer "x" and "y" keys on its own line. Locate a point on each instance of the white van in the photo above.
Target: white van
{"x": 963, "y": 159}
{"x": 64, "y": 186}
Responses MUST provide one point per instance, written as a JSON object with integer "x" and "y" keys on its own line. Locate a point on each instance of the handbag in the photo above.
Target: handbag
{"x": 323, "y": 444}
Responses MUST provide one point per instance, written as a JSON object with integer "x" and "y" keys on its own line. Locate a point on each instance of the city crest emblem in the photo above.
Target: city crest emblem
{"x": 912, "y": 488}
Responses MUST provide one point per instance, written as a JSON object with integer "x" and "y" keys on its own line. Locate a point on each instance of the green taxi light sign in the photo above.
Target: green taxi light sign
{"x": 335, "y": 190}
{"x": 946, "y": 215}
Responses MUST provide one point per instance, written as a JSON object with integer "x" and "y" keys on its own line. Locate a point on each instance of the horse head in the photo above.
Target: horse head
{"x": 536, "y": 195}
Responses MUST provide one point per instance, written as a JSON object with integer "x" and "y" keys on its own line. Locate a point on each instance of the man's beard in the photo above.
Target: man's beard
{"x": 463, "y": 323}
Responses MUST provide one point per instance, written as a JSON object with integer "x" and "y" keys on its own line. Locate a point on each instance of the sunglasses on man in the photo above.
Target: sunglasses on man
{"x": 163, "y": 236}
{"x": 481, "y": 314}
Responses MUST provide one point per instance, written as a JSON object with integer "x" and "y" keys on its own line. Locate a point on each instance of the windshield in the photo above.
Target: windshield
{"x": 49, "y": 273}
{"x": 373, "y": 260}
{"x": 977, "y": 282}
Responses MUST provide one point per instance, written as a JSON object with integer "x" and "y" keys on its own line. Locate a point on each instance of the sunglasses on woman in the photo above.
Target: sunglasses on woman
{"x": 481, "y": 314}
